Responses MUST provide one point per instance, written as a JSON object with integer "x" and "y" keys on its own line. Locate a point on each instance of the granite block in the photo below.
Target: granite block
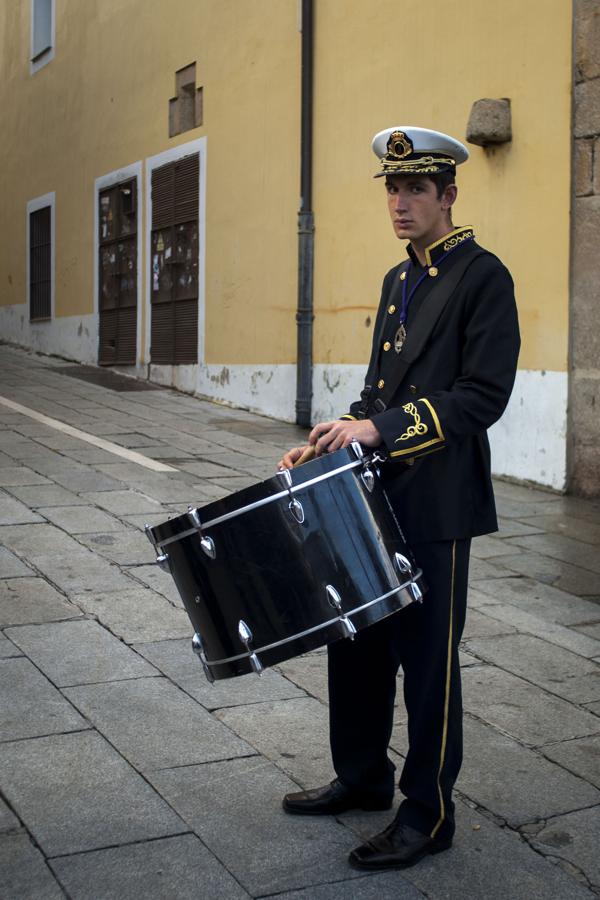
{"x": 176, "y": 867}
{"x": 574, "y": 838}
{"x": 155, "y": 725}
{"x": 13, "y": 512}
{"x": 125, "y": 547}
{"x": 81, "y": 652}
{"x": 75, "y": 793}
{"x": 515, "y": 783}
{"x": 25, "y": 875}
{"x": 136, "y": 614}
{"x": 46, "y": 495}
{"x": 30, "y": 705}
{"x": 521, "y": 709}
{"x": 81, "y": 519}
{"x": 581, "y": 756}
{"x": 25, "y": 600}
{"x": 11, "y": 566}
{"x": 235, "y": 808}
{"x": 8, "y": 820}
{"x": 7, "y": 648}
{"x": 124, "y": 502}
{"x": 180, "y": 664}
{"x": 542, "y": 600}
{"x": 309, "y": 672}
{"x": 10, "y": 475}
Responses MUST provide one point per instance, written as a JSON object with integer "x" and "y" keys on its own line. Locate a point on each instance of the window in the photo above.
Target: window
{"x": 40, "y": 273}
{"x": 42, "y": 33}
{"x": 117, "y": 273}
{"x": 174, "y": 255}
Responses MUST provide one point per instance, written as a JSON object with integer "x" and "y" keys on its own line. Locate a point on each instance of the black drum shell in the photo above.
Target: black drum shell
{"x": 272, "y": 571}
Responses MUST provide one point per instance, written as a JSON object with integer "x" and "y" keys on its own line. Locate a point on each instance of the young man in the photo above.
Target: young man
{"x": 442, "y": 367}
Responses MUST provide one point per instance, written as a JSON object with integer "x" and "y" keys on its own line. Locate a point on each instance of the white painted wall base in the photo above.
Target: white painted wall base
{"x": 74, "y": 337}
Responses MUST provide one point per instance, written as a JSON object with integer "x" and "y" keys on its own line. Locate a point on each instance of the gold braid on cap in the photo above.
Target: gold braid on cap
{"x": 400, "y": 146}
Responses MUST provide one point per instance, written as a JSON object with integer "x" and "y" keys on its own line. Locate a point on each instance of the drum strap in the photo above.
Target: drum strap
{"x": 421, "y": 329}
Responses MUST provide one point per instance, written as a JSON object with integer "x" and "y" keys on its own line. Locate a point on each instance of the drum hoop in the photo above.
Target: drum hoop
{"x": 301, "y": 634}
{"x": 258, "y": 503}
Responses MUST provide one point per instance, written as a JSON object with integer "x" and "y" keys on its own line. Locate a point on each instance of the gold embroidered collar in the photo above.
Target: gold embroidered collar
{"x": 435, "y": 251}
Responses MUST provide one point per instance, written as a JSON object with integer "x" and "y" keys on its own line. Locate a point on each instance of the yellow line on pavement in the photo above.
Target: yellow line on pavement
{"x": 123, "y": 452}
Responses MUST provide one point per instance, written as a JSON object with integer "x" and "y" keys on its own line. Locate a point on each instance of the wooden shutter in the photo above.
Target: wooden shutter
{"x": 40, "y": 257}
{"x": 174, "y": 262}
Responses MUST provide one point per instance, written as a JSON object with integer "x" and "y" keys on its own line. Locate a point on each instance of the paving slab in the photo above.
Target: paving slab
{"x": 513, "y": 528}
{"x": 593, "y": 629}
{"x": 309, "y": 672}
{"x": 81, "y": 571}
{"x": 46, "y": 495}
{"x": 554, "y": 571}
{"x": 155, "y": 725}
{"x": 178, "y": 662}
{"x": 8, "y": 820}
{"x": 483, "y": 568}
{"x": 576, "y": 838}
{"x": 30, "y": 705}
{"x": 561, "y": 547}
{"x": 81, "y": 652}
{"x": 25, "y": 600}
{"x": 294, "y": 734}
{"x": 377, "y": 886}
{"x": 494, "y": 863}
{"x": 10, "y": 475}
{"x": 522, "y": 710}
{"x": 528, "y": 623}
{"x": 542, "y": 600}
{"x": 235, "y": 808}
{"x": 152, "y": 576}
{"x": 547, "y": 665}
{"x": 127, "y": 547}
{"x": 81, "y": 519}
{"x": 488, "y": 547}
{"x": 35, "y": 541}
{"x": 513, "y": 782}
{"x": 481, "y": 624}
{"x": 13, "y": 512}
{"x": 581, "y": 756}
{"x": 7, "y": 648}
{"x": 136, "y": 614}
{"x": 124, "y": 502}
{"x": 88, "y": 798}
{"x": 569, "y": 526}
{"x": 11, "y": 566}
{"x": 177, "y": 867}
{"x": 25, "y": 875}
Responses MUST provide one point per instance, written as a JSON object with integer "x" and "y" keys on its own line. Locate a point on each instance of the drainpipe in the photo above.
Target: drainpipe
{"x": 306, "y": 229}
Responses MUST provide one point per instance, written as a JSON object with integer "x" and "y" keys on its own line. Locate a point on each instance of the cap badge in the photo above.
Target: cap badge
{"x": 399, "y": 145}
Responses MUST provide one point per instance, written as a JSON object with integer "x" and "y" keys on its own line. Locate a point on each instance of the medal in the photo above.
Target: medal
{"x": 399, "y": 338}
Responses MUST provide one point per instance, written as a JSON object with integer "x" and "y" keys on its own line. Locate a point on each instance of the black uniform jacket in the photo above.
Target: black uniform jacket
{"x": 434, "y": 423}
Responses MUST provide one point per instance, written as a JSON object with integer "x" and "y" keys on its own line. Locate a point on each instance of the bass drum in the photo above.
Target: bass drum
{"x": 302, "y": 559}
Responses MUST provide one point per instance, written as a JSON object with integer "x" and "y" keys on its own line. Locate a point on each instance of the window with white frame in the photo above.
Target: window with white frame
{"x": 40, "y": 258}
{"x": 42, "y": 33}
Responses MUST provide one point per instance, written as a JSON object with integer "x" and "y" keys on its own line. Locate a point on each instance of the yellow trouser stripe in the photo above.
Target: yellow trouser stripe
{"x": 446, "y": 700}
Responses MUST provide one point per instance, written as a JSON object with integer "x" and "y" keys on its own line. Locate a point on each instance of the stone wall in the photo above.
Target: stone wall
{"x": 584, "y": 400}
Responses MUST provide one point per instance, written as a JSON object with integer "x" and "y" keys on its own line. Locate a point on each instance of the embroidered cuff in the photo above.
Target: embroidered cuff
{"x": 421, "y": 431}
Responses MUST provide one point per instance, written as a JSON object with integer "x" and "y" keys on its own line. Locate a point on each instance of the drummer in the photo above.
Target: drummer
{"x": 443, "y": 363}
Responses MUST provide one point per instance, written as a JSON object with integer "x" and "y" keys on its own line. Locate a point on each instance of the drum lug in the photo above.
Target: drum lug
{"x": 207, "y": 543}
{"x": 297, "y": 510}
{"x": 198, "y": 649}
{"x": 245, "y": 635}
{"x": 357, "y": 448}
{"x": 368, "y": 479}
{"x": 346, "y": 626}
{"x": 416, "y": 592}
{"x": 294, "y": 506}
{"x": 163, "y": 562}
{"x": 149, "y": 534}
{"x": 403, "y": 564}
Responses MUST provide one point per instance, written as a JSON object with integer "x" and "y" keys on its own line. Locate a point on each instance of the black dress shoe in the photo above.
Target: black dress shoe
{"x": 330, "y": 800}
{"x": 398, "y": 847}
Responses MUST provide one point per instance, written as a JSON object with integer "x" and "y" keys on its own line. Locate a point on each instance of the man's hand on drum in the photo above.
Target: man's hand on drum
{"x": 329, "y": 436}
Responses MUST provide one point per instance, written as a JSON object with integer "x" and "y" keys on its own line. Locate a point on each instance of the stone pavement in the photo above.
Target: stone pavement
{"x": 123, "y": 773}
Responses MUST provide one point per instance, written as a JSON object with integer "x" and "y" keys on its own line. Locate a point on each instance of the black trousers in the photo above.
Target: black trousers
{"x": 423, "y": 639}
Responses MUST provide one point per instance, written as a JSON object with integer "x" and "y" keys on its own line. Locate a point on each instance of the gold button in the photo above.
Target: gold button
{"x": 380, "y": 383}
{"x": 413, "y": 389}
{"x": 387, "y": 346}
{"x": 391, "y": 309}
{"x": 402, "y": 275}
{"x": 433, "y": 271}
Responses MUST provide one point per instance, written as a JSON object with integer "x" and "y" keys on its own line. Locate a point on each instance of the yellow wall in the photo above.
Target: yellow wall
{"x": 102, "y": 103}
{"x": 424, "y": 64}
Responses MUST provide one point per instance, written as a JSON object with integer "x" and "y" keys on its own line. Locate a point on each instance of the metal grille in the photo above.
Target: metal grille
{"x": 117, "y": 272}
{"x": 174, "y": 262}
{"x": 40, "y": 254}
